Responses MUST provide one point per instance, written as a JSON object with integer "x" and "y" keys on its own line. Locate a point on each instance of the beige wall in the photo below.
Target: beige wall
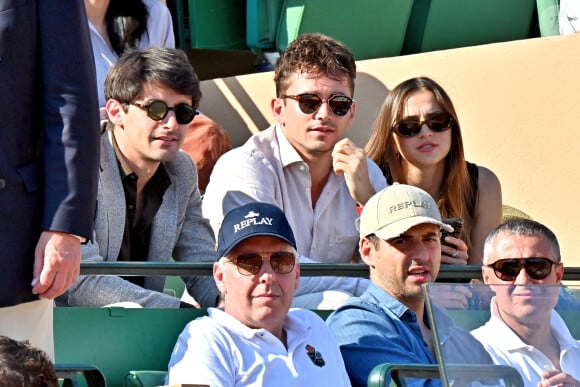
{"x": 517, "y": 103}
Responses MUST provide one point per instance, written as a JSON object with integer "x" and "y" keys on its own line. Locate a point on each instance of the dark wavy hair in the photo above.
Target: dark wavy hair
{"x": 21, "y": 364}
{"x": 457, "y": 193}
{"x": 168, "y": 67}
{"x": 126, "y": 22}
{"x": 315, "y": 53}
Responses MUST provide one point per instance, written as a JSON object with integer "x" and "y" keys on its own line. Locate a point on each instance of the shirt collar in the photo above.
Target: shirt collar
{"x": 288, "y": 154}
{"x": 294, "y": 327}
{"x": 125, "y": 169}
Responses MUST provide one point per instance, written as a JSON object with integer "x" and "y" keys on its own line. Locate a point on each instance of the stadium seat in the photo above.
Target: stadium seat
{"x": 375, "y": 29}
{"x": 72, "y": 375}
{"x": 262, "y": 17}
{"x": 145, "y": 378}
{"x": 174, "y": 286}
{"x": 117, "y": 340}
{"x": 548, "y": 17}
{"x": 445, "y": 24}
{"x": 382, "y": 373}
{"x": 217, "y": 24}
{"x": 131, "y": 347}
{"x": 177, "y": 9}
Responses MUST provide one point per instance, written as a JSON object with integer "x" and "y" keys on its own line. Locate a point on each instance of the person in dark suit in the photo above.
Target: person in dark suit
{"x": 49, "y": 153}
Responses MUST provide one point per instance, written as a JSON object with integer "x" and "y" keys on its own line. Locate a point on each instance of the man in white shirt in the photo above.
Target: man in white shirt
{"x": 524, "y": 331}
{"x": 256, "y": 340}
{"x": 305, "y": 165}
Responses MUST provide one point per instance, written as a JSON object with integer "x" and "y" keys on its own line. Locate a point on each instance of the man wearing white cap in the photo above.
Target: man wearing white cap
{"x": 400, "y": 241}
{"x": 256, "y": 340}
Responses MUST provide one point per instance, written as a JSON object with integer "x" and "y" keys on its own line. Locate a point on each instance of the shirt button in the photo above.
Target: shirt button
{"x": 2, "y": 183}
{"x": 302, "y": 168}
{"x": 131, "y": 206}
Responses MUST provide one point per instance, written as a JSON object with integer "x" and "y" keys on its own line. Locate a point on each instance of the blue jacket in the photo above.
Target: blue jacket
{"x": 49, "y": 131}
{"x": 376, "y": 328}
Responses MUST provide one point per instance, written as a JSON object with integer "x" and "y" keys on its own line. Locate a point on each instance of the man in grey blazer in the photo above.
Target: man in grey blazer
{"x": 49, "y": 154}
{"x": 148, "y": 203}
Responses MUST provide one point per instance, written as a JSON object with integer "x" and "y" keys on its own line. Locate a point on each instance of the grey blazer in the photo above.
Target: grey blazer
{"x": 178, "y": 230}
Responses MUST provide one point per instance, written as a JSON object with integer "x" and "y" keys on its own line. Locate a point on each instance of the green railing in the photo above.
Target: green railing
{"x": 306, "y": 270}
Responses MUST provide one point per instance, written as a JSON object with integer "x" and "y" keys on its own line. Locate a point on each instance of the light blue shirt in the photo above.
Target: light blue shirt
{"x": 376, "y": 328}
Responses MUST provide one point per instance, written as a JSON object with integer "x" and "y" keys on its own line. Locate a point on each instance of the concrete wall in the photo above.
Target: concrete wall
{"x": 516, "y": 101}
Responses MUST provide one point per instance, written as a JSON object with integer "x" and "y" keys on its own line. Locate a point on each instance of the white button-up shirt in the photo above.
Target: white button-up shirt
{"x": 506, "y": 348}
{"x": 268, "y": 169}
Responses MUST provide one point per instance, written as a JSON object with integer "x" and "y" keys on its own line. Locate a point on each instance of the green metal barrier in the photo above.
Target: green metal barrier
{"x": 306, "y": 269}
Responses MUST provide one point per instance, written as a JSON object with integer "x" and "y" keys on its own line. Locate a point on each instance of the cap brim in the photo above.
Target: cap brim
{"x": 396, "y": 229}
{"x": 226, "y": 251}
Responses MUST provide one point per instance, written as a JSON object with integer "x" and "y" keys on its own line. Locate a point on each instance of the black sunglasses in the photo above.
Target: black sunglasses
{"x": 411, "y": 127}
{"x": 157, "y": 110}
{"x": 509, "y": 268}
{"x": 309, "y": 103}
{"x": 282, "y": 262}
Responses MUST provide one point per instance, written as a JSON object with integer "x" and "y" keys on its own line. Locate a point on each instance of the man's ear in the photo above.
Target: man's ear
{"x": 297, "y": 270}
{"x": 277, "y": 106}
{"x": 366, "y": 248}
{"x": 219, "y": 276}
{"x": 559, "y": 271}
{"x": 486, "y": 273}
{"x": 115, "y": 112}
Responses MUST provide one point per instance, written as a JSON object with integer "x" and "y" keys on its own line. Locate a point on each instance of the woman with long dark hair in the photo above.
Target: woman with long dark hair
{"x": 117, "y": 25}
{"x": 416, "y": 139}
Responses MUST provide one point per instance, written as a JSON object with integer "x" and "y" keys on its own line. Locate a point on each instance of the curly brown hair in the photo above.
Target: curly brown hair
{"x": 315, "y": 53}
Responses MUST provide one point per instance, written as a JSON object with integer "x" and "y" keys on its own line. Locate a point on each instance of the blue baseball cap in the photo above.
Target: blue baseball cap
{"x": 253, "y": 219}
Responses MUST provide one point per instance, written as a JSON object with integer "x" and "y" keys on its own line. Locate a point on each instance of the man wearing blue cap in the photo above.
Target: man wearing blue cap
{"x": 256, "y": 339}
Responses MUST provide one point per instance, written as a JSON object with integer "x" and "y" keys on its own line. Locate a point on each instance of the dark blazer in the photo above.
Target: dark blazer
{"x": 49, "y": 133}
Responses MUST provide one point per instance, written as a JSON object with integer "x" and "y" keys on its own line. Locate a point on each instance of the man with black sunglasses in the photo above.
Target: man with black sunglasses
{"x": 305, "y": 164}
{"x": 256, "y": 340}
{"x": 524, "y": 331}
{"x": 149, "y": 205}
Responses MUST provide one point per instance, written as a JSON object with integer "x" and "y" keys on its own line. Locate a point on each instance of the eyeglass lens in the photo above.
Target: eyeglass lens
{"x": 310, "y": 103}
{"x": 157, "y": 110}
{"x": 411, "y": 127}
{"x": 508, "y": 269}
{"x": 282, "y": 262}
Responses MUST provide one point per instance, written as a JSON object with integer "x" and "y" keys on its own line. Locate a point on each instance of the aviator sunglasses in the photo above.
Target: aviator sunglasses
{"x": 157, "y": 110}
{"x": 282, "y": 262}
{"x": 411, "y": 127}
{"x": 509, "y": 268}
{"x": 309, "y": 103}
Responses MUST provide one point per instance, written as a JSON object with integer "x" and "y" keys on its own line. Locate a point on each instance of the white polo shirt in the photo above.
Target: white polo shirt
{"x": 218, "y": 350}
{"x": 506, "y": 348}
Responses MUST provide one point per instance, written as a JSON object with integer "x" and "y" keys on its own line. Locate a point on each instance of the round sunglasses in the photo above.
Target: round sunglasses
{"x": 282, "y": 262}
{"x": 508, "y": 269}
{"x": 411, "y": 127}
{"x": 310, "y": 103}
{"x": 157, "y": 110}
